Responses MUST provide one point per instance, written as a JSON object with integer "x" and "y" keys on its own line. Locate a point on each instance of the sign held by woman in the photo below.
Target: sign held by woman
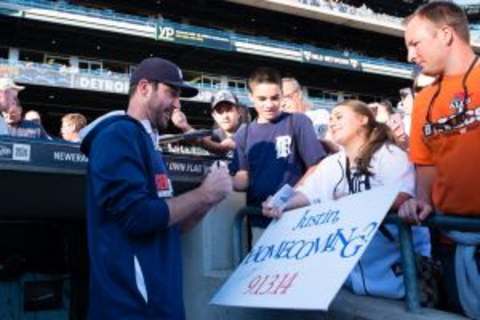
{"x": 302, "y": 259}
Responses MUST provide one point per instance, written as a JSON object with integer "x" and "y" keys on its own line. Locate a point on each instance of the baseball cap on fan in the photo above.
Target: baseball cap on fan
{"x": 163, "y": 71}
{"x": 224, "y": 96}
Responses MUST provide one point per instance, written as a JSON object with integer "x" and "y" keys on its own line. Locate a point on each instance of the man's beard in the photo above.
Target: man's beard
{"x": 158, "y": 116}
{"x": 161, "y": 121}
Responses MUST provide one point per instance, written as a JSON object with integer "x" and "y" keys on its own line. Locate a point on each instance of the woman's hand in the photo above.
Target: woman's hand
{"x": 270, "y": 211}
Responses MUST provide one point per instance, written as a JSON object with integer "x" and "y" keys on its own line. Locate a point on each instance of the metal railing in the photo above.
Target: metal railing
{"x": 412, "y": 300}
{"x": 466, "y": 224}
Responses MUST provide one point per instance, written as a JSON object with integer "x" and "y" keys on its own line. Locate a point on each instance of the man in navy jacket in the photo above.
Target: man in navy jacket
{"x": 133, "y": 218}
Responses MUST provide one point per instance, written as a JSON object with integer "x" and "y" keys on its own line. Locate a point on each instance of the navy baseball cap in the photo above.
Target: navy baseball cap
{"x": 163, "y": 71}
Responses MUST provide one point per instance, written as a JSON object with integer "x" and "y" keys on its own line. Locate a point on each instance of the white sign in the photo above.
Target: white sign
{"x": 302, "y": 260}
{"x": 100, "y": 84}
{"x": 21, "y": 152}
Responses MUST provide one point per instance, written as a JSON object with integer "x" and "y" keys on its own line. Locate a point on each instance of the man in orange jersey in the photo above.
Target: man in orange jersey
{"x": 445, "y": 141}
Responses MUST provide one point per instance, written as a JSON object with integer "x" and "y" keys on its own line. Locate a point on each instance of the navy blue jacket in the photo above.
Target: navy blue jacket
{"x": 135, "y": 258}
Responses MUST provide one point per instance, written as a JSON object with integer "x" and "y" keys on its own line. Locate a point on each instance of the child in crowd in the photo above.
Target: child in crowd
{"x": 274, "y": 149}
{"x": 72, "y": 123}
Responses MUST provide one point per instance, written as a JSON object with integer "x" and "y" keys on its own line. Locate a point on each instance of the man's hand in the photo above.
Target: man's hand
{"x": 179, "y": 119}
{"x": 414, "y": 210}
{"x": 228, "y": 143}
{"x": 218, "y": 183}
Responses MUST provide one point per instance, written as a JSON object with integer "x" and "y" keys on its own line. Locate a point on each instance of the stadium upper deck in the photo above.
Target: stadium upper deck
{"x": 383, "y": 17}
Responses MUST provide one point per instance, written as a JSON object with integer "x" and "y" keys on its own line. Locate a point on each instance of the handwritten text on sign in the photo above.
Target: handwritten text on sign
{"x": 302, "y": 260}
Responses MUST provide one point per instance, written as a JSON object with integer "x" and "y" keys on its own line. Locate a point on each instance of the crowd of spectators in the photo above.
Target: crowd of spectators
{"x": 360, "y": 147}
{"x": 17, "y": 123}
{"x": 338, "y": 133}
{"x": 362, "y": 11}
{"x": 366, "y": 12}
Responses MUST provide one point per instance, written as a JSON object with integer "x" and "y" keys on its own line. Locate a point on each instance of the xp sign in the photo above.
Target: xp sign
{"x": 166, "y": 33}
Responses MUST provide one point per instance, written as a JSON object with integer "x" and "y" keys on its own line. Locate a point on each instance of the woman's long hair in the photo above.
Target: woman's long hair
{"x": 377, "y": 134}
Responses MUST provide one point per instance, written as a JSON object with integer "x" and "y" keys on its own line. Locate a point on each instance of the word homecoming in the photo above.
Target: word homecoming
{"x": 345, "y": 241}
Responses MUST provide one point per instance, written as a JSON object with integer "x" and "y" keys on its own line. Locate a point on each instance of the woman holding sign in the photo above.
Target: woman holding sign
{"x": 369, "y": 158}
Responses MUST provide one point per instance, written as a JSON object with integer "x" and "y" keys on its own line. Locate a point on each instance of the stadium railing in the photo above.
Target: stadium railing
{"x": 323, "y": 102}
{"x": 64, "y": 69}
{"x": 442, "y": 222}
{"x": 66, "y": 7}
{"x": 412, "y": 300}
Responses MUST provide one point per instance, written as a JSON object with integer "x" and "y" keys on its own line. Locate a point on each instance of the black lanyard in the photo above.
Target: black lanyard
{"x": 460, "y": 115}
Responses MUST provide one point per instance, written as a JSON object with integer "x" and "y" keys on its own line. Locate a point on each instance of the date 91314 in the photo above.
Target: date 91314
{"x": 271, "y": 284}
